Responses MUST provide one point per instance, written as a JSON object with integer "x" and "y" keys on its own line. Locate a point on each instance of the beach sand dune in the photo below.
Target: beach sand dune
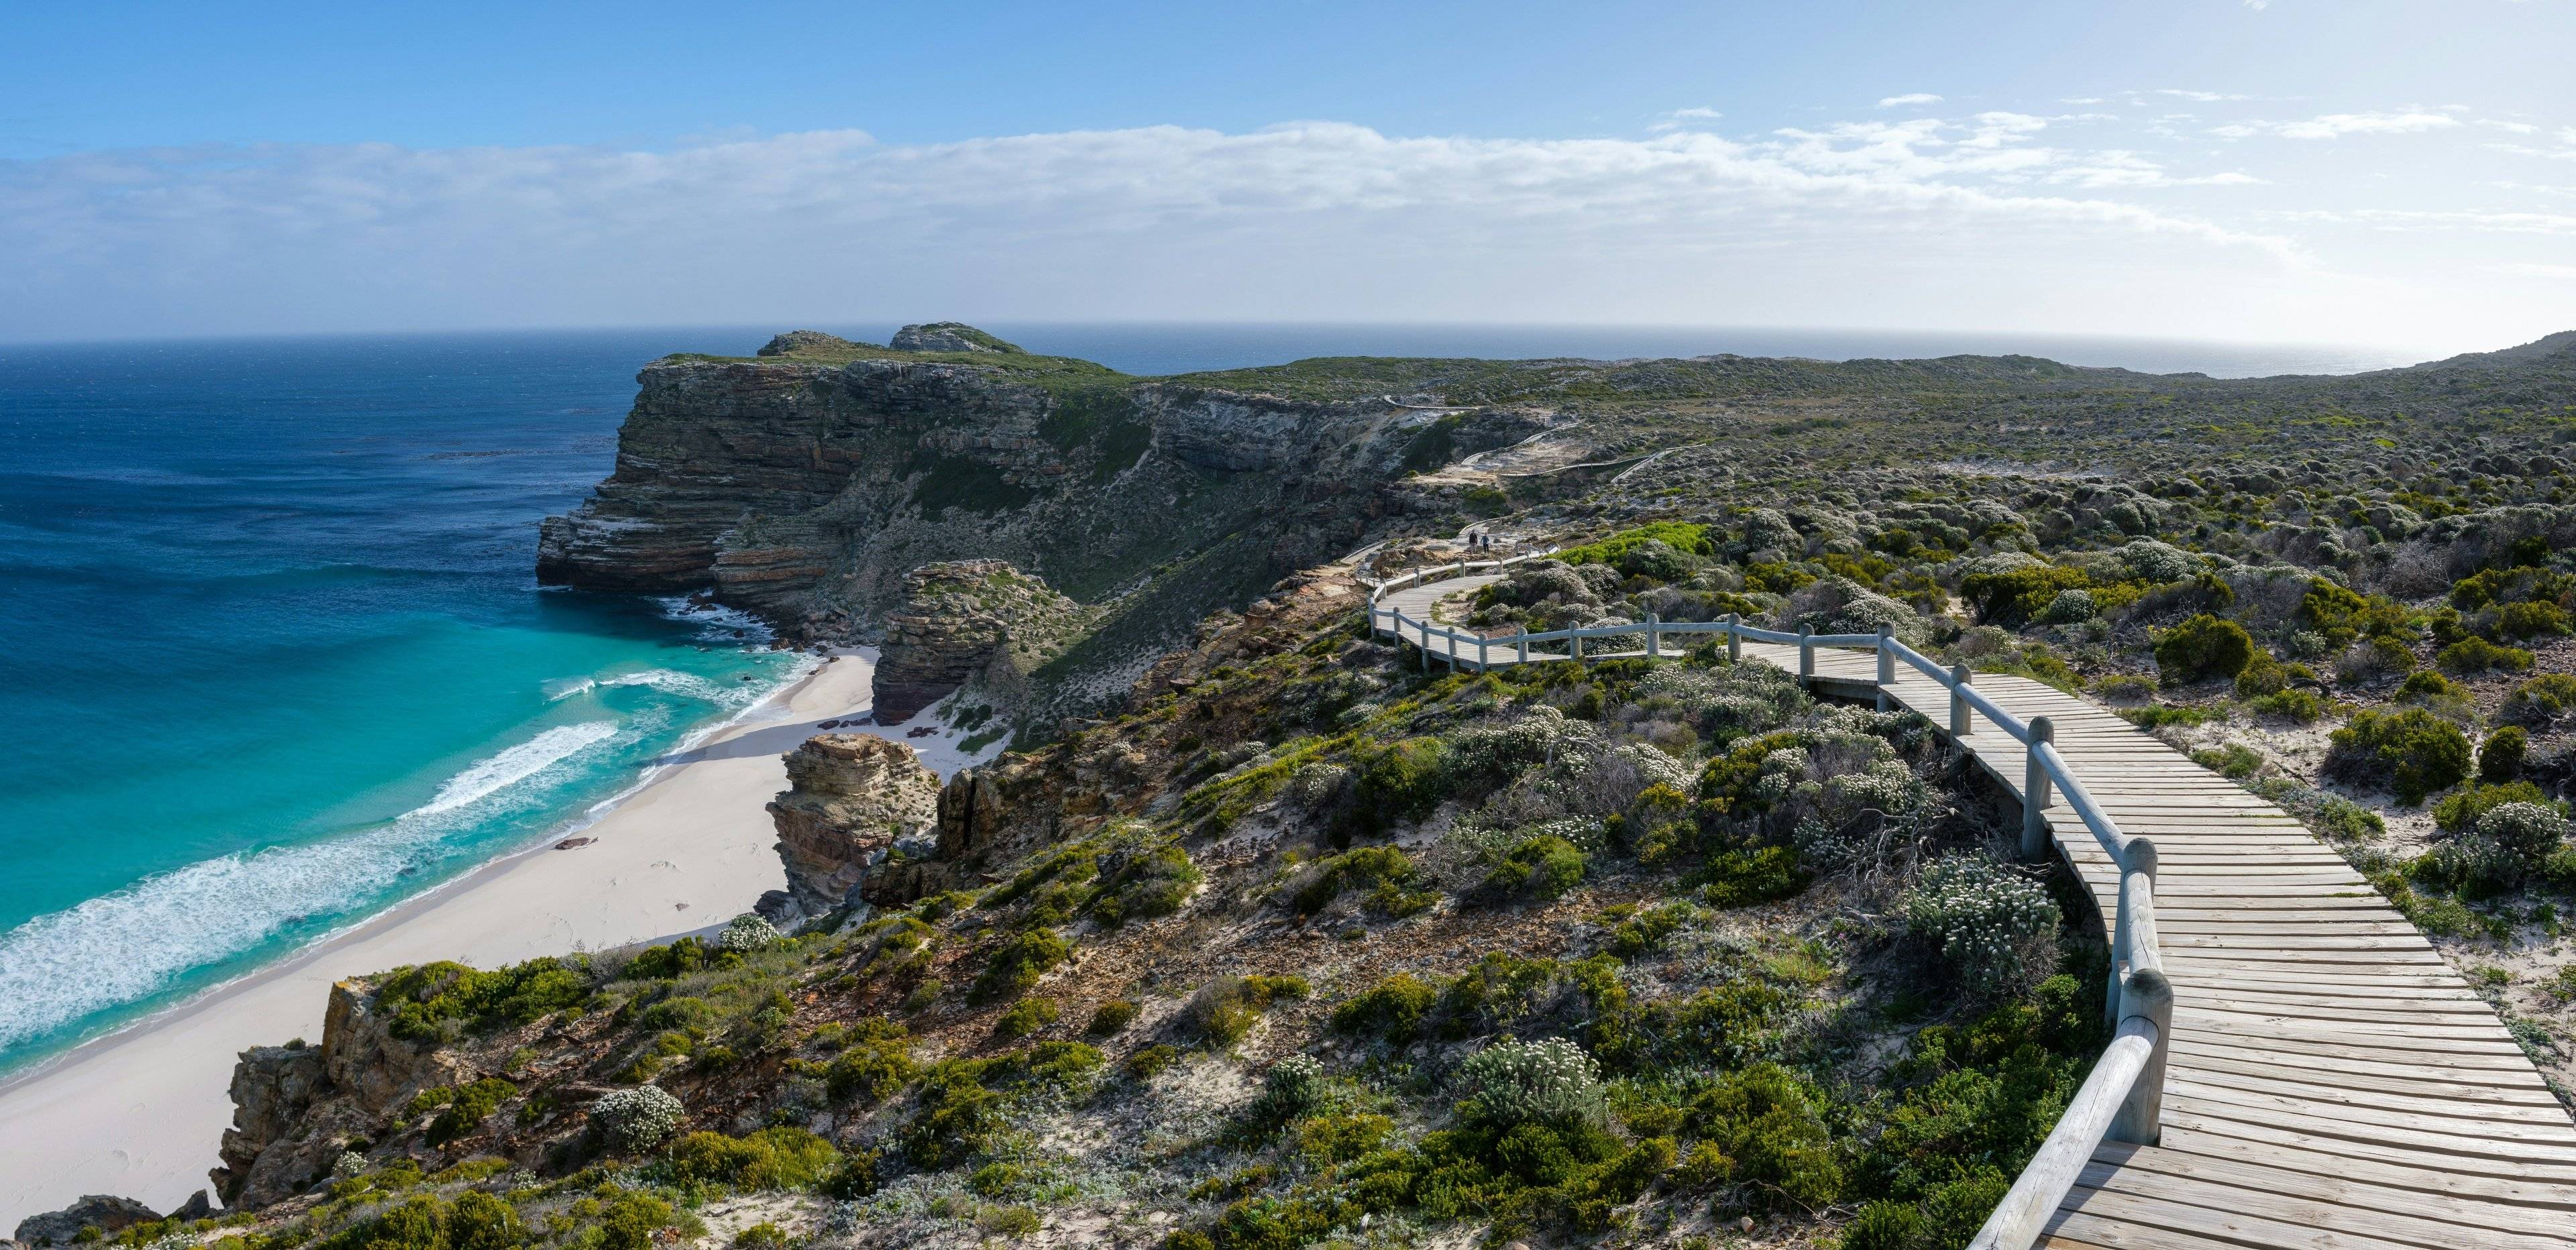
{"x": 140, "y": 1113}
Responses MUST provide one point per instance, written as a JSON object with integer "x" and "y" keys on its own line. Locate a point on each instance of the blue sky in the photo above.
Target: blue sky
{"x": 2390, "y": 172}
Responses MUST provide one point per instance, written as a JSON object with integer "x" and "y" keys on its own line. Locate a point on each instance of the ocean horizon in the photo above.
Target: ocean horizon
{"x": 279, "y": 661}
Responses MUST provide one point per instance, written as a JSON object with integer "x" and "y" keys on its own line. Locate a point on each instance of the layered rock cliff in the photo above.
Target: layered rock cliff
{"x": 807, "y": 483}
{"x": 978, "y": 621}
{"x": 856, "y": 802}
{"x": 297, "y": 1108}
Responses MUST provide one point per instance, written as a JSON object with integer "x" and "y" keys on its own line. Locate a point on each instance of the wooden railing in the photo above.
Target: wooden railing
{"x": 2122, "y": 1099}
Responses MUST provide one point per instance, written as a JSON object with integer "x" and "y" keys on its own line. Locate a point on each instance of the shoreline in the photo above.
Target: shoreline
{"x": 688, "y": 845}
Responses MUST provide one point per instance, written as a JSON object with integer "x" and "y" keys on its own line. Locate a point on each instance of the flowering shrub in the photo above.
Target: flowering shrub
{"x": 2529, "y": 830}
{"x": 1992, "y": 924}
{"x": 2070, "y": 607}
{"x": 1550, "y": 1082}
{"x": 638, "y": 1119}
{"x": 746, "y": 933}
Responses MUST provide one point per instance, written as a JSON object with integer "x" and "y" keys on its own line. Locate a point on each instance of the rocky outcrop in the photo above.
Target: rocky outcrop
{"x": 101, "y": 1212}
{"x": 970, "y": 620}
{"x": 857, "y": 808}
{"x": 950, "y": 336}
{"x": 807, "y": 343}
{"x": 296, "y": 1107}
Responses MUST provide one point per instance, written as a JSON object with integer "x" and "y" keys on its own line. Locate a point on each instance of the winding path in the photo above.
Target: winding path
{"x": 2332, "y": 1083}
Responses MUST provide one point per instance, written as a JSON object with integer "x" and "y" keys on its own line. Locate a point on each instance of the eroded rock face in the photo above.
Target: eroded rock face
{"x": 807, "y": 342}
{"x": 961, "y": 621}
{"x": 296, "y": 1108}
{"x": 103, "y": 1212}
{"x": 857, "y": 804}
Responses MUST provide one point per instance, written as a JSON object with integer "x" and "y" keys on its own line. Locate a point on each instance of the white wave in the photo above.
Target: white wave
{"x": 566, "y": 688}
{"x": 515, "y": 765}
{"x": 692, "y": 686}
{"x": 717, "y": 622}
{"x": 126, "y": 945}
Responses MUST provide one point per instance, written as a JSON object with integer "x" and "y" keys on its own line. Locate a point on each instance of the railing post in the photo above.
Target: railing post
{"x": 1575, "y": 635}
{"x": 2034, "y": 790}
{"x": 1959, "y": 719}
{"x": 2142, "y": 992}
{"x": 1481, "y": 665}
{"x": 1806, "y": 655}
{"x": 1520, "y": 643}
{"x": 1654, "y": 640}
{"x": 1886, "y": 665}
{"x": 1452, "y": 636}
{"x": 1734, "y": 640}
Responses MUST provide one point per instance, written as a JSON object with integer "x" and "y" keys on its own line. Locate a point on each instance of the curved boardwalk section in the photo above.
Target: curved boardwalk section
{"x": 2330, "y": 1082}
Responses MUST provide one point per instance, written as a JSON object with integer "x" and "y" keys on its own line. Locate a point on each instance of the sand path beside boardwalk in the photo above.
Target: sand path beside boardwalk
{"x": 140, "y": 1113}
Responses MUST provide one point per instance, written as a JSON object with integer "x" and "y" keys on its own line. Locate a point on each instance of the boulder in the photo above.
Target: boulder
{"x": 103, "y": 1212}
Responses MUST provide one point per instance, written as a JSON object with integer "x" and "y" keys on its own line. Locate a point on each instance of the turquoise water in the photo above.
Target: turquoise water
{"x": 271, "y": 657}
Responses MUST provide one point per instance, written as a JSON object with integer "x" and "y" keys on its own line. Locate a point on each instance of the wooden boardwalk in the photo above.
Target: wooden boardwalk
{"x": 2331, "y": 1082}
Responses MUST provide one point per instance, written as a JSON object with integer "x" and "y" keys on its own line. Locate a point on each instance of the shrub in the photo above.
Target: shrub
{"x": 2541, "y": 700}
{"x": 1549, "y": 1082}
{"x": 1151, "y": 884}
{"x": 1226, "y": 1008}
{"x": 1384, "y": 871}
{"x": 1111, "y": 1017}
{"x": 2501, "y": 758}
{"x": 1393, "y": 1009}
{"x": 2473, "y": 864}
{"x": 2339, "y": 817}
{"x": 2264, "y": 676}
{"x": 1025, "y": 1017}
{"x": 634, "y": 1120}
{"x": 2426, "y": 686}
{"x": 1770, "y": 1124}
{"x": 1149, "y": 1062}
{"x": 2303, "y": 706}
{"x": 1680, "y": 536}
{"x": 2203, "y": 647}
{"x": 2012, "y": 598}
{"x": 467, "y": 1109}
{"x": 1019, "y": 964}
{"x": 1744, "y": 878}
{"x": 1544, "y": 867}
{"x": 1401, "y": 781}
{"x": 2531, "y": 831}
{"x": 2410, "y": 751}
{"x": 1993, "y": 926}
{"x": 2477, "y": 655}
{"x": 877, "y": 1064}
{"x": 2070, "y": 607}
{"x": 746, "y": 933}
{"x": 425, "y": 999}
{"x": 1293, "y": 1089}
{"x": 773, "y": 1158}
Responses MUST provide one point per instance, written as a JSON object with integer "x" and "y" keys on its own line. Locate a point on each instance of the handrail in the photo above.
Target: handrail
{"x": 2123, "y": 1098}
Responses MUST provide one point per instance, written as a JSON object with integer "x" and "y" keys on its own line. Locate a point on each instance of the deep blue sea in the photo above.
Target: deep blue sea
{"x": 272, "y": 657}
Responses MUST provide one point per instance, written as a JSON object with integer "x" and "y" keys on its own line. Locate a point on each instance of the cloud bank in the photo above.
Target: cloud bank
{"x": 1975, "y": 221}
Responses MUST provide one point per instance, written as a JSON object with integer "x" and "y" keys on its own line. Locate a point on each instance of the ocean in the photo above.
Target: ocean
{"x": 273, "y": 658}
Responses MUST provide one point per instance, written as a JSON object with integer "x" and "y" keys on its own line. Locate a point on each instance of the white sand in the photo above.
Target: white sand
{"x": 140, "y": 1113}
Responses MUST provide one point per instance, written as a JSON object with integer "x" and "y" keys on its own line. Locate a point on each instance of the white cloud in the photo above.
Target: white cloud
{"x": 1680, "y": 119}
{"x": 2199, "y": 97}
{"x": 1317, "y": 220}
{"x": 1909, "y": 98}
{"x": 2337, "y": 125}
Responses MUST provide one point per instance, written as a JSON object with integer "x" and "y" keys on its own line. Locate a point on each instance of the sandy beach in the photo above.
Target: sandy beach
{"x": 140, "y": 1113}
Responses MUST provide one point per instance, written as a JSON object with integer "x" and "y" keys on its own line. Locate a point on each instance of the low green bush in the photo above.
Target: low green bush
{"x": 771, "y": 1159}
{"x": 1025, "y": 1017}
{"x": 1745, "y": 878}
{"x": 1226, "y": 1008}
{"x": 2203, "y": 647}
{"x": 2539, "y": 701}
{"x": 2474, "y": 655}
{"x": 1019, "y": 964}
{"x": 423, "y": 1000}
{"x": 2305, "y": 707}
{"x": 1393, "y": 1009}
{"x": 1392, "y": 883}
{"x": 2410, "y": 751}
{"x": 468, "y": 1107}
{"x": 2502, "y": 757}
{"x": 1543, "y": 868}
{"x": 1111, "y": 1018}
{"x": 877, "y": 1062}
